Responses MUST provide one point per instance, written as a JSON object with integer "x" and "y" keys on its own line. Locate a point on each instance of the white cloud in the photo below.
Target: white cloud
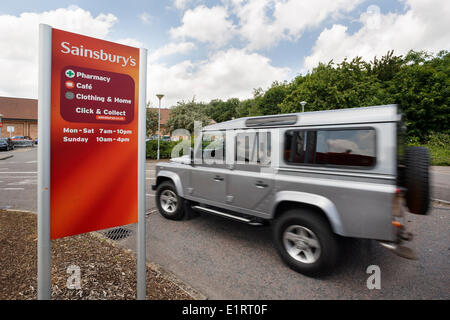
{"x": 19, "y": 43}
{"x": 170, "y": 49}
{"x": 131, "y": 42}
{"x": 210, "y": 25}
{"x": 226, "y": 74}
{"x": 180, "y": 4}
{"x": 289, "y": 18}
{"x": 421, "y": 27}
{"x": 146, "y": 18}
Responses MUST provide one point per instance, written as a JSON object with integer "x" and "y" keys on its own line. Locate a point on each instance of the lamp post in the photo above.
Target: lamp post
{"x": 303, "y": 103}
{"x": 160, "y": 96}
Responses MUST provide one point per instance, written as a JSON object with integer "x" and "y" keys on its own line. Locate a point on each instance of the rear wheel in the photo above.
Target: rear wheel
{"x": 305, "y": 242}
{"x": 169, "y": 203}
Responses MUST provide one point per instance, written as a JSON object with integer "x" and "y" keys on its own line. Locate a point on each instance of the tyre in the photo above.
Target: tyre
{"x": 169, "y": 203}
{"x": 305, "y": 242}
{"x": 416, "y": 179}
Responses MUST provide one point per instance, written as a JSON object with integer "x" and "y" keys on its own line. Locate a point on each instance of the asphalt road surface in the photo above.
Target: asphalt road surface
{"x": 228, "y": 260}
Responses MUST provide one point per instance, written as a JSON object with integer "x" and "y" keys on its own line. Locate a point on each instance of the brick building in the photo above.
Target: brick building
{"x": 164, "y": 117}
{"x": 22, "y": 114}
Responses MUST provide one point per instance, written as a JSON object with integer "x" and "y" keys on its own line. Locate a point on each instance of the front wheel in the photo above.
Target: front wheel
{"x": 305, "y": 242}
{"x": 169, "y": 203}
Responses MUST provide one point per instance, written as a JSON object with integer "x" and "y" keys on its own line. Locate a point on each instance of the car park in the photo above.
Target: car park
{"x": 6, "y": 144}
{"x": 315, "y": 177}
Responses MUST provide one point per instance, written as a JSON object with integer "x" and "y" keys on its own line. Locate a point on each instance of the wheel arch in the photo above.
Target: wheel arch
{"x": 287, "y": 200}
{"x": 170, "y": 176}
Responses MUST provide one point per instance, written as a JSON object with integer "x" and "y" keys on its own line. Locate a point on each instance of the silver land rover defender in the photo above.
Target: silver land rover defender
{"x": 314, "y": 176}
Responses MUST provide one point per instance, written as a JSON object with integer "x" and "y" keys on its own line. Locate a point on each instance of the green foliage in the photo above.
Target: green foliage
{"x": 221, "y": 111}
{"x": 151, "y": 122}
{"x": 438, "y": 145}
{"x": 422, "y": 89}
{"x": 165, "y": 149}
{"x": 329, "y": 86}
{"x": 418, "y": 82}
{"x": 183, "y": 115}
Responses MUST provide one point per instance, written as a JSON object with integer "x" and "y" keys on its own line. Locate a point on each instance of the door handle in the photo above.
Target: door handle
{"x": 218, "y": 178}
{"x": 261, "y": 184}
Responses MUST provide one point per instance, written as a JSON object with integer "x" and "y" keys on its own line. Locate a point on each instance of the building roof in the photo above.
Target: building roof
{"x": 386, "y": 113}
{"x": 18, "y": 108}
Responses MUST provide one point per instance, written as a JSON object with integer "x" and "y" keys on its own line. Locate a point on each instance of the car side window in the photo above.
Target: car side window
{"x": 253, "y": 148}
{"x": 343, "y": 147}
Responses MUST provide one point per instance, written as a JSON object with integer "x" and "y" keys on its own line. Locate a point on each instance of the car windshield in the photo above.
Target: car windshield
{"x": 3, "y": 139}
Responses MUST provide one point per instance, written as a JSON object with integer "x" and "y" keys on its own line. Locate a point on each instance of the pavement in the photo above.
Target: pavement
{"x": 440, "y": 180}
{"x": 227, "y": 260}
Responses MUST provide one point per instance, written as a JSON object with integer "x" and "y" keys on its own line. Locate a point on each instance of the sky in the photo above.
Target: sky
{"x": 222, "y": 49}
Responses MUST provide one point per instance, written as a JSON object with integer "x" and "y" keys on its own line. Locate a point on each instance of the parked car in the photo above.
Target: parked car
{"x": 22, "y": 141}
{"x": 6, "y": 144}
{"x": 313, "y": 176}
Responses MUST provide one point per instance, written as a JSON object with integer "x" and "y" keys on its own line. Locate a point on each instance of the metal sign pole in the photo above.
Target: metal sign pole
{"x": 140, "y": 239}
{"x": 44, "y": 88}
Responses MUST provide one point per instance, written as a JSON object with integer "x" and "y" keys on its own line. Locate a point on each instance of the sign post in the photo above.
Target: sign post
{"x": 141, "y": 229}
{"x": 44, "y": 111}
{"x": 91, "y": 156}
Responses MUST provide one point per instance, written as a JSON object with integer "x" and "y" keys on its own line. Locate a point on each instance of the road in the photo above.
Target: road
{"x": 18, "y": 179}
{"x": 228, "y": 260}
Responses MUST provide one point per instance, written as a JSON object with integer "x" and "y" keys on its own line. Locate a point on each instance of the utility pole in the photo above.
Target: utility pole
{"x": 160, "y": 96}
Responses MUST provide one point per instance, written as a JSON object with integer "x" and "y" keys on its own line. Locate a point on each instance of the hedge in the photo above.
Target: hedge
{"x": 165, "y": 148}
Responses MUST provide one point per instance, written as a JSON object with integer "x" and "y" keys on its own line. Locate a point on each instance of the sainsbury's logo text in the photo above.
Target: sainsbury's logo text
{"x": 97, "y": 55}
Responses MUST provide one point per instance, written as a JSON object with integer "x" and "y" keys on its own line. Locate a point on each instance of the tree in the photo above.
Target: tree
{"x": 418, "y": 82}
{"x": 221, "y": 111}
{"x": 422, "y": 89}
{"x": 183, "y": 115}
{"x": 269, "y": 102}
{"x": 151, "y": 121}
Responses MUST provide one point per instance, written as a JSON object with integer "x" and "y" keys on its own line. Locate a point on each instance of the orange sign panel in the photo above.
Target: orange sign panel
{"x": 94, "y": 134}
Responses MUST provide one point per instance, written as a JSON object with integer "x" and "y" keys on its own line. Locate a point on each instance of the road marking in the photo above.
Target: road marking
{"x": 440, "y": 200}
{"x": 18, "y": 177}
{"x": 33, "y": 161}
{"x": 151, "y": 211}
{"x": 20, "y": 172}
{"x": 150, "y": 195}
{"x": 12, "y": 189}
{"x": 150, "y": 178}
{"x": 24, "y": 182}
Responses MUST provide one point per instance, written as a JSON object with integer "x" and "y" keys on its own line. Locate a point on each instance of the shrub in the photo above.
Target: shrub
{"x": 165, "y": 149}
{"x": 439, "y": 146}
